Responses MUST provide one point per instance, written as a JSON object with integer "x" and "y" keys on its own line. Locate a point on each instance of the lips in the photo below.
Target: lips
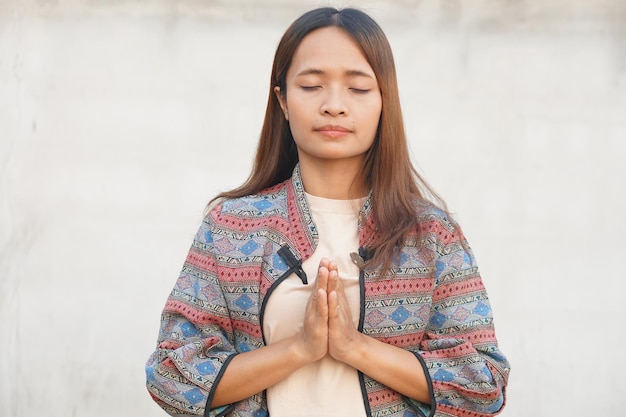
{"x": 333, "y": 130}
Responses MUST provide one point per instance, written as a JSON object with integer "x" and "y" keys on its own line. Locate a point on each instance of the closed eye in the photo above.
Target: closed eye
{"x": 360, "y": 90}
{"x": 309, "y": 87}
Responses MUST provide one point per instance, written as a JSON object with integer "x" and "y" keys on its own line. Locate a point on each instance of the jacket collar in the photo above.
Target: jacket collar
{"x": 306, "y": 234}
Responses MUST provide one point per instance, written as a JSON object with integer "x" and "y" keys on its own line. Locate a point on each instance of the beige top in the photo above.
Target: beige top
{"x": 326, "y": 387}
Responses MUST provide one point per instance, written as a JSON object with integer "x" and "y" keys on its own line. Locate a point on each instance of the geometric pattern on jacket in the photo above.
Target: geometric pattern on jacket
{"x": 433, "y": 304}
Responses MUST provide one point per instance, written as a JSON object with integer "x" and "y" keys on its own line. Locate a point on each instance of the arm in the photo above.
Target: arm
{"x": 392, "y": 366}
{"x": 195, "y": 340}
{"x": 256, "y": 370}
{"x": 196, "y": 365}
{"x": 458, "y": 355}
{"x": 459, "y": 350}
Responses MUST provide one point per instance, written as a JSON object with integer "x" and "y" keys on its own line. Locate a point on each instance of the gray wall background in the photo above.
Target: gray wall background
{"x": 119, "y": 120}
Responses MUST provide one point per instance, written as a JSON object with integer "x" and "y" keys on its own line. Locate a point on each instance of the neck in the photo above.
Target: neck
{"x": 339, "y": 180}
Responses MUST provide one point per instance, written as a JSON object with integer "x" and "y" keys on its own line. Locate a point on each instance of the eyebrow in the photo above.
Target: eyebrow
{"x": 350, "y": 72}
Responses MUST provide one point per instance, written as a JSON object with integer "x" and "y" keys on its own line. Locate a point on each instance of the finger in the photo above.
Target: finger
{"x": 332, "y": 266}
{"x": 333, "y": 305}
{"x": 338, "y": 304}
{"x": 321, "y": 281}
{"x": 333, "y": 276}
{"x": 322, "y": 304}
{"x": 338, "y": 286}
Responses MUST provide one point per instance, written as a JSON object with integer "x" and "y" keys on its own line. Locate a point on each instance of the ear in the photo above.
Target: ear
{"x": 282, "y": 101}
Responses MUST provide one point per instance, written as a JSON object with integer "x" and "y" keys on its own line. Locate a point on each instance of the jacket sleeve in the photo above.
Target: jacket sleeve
{"x": 460, "y": 352}
{"x": 195, "y": 341}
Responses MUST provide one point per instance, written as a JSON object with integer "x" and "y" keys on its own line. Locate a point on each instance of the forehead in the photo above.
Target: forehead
{"x": 329, "y": 49}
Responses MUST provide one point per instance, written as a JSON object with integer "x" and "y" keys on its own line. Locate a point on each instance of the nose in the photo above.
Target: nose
{"x": 334, "y": 103}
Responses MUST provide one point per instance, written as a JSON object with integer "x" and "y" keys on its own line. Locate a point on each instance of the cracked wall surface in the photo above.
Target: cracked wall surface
{"x": 120, "y": 120}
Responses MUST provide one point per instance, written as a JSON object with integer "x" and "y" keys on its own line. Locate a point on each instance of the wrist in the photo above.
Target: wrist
{"x": 356, "y": 352}
{"x": 297, "y": 351}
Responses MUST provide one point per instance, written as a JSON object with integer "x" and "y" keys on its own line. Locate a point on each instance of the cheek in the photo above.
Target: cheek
{"x": 374, "y": 114}
{"x": 298, "y": 109}
{"x": 298, "y": 120}
{"x": 373, "y": 106}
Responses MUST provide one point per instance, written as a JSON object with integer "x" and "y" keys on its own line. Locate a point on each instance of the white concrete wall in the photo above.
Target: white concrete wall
{"x": 119, "y": 120}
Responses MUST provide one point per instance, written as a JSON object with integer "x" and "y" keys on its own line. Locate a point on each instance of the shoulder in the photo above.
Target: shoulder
{"x": 431, "y": 217}
{"x": 268, "y": 202}
{"x": 436, "y": 228}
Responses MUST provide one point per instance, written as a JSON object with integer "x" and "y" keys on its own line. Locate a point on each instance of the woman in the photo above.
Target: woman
{"x": 328, "y": 284}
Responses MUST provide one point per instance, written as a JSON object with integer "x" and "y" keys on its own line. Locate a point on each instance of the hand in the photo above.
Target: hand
{"x": 328, "y": 326}
{"x": 313, "y": 338}
{"x": 343, "y": 337}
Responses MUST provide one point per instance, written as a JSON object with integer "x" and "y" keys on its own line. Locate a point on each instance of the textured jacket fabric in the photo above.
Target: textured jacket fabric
{"x": 433, "y": 304}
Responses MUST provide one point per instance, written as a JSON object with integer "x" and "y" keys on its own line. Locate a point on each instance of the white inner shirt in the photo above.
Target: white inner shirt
{"x": 326, "y": 388}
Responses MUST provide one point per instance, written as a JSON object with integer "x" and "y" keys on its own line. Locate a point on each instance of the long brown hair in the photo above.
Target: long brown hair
{"x": 388, "y": 171}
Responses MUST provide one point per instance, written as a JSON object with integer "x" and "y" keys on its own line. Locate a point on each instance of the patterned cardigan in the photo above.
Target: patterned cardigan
{"x": 433, "y": 304}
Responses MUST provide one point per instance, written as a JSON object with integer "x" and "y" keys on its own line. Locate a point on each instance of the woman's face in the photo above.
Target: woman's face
{"x": 333, "y": 102}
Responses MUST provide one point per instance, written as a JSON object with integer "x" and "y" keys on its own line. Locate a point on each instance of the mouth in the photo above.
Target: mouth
{"x": 333, "y": 130}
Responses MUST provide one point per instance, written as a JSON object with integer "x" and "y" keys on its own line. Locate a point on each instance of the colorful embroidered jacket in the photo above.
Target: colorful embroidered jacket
{"x": 434, "y": 305}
